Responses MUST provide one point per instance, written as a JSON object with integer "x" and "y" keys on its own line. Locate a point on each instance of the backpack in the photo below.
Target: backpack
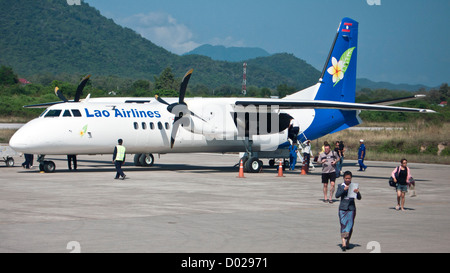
{"x": 391, "y": 180}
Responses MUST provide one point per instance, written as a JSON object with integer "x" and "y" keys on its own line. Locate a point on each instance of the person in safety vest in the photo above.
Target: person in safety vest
{"x": 119, "y": 159}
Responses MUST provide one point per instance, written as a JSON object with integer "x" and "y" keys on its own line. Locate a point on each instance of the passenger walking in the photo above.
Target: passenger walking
{"x": 401, "y": 175}
{"x": 119, "y": 159}
{"x": 338, "y": 163}
{"x": 361, "y": 155}
{"x": 341, "y": 153}
{"x": 347, "y": 209}
{"x": 328, "y": 159}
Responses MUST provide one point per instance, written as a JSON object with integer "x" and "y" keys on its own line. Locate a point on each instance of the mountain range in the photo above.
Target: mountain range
{"x": 229, "y": 54}
{"x": 50, "y": 36}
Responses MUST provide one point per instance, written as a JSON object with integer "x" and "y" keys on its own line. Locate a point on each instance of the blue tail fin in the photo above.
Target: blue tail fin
{"x": 338, "y": 80}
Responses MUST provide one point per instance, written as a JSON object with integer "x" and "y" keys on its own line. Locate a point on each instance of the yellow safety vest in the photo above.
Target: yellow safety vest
{"x": 120, "y": 153}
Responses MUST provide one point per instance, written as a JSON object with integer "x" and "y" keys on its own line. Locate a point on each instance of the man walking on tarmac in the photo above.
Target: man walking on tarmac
{"x": 119, "y": 159}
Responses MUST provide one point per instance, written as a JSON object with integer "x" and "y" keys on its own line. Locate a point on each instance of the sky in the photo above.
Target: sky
{"x": 400, "y": 41}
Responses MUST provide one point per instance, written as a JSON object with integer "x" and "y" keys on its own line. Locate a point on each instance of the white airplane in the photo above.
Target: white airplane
{"x": 177, "y": 125}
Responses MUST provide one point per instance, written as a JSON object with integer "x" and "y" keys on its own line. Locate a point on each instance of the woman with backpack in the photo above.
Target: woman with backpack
{"x": 401, "y": 175}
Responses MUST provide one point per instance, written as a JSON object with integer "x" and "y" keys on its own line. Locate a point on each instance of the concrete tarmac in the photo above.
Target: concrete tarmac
{"x": 195, "y": 203}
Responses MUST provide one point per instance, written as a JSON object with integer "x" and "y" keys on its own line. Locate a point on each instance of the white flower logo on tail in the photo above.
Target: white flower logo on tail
{"x": 338, "y": 68}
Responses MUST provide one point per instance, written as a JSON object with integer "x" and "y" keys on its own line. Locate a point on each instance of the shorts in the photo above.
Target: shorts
{"x": 402, "y": 188}
{"x": 328, "y": 176}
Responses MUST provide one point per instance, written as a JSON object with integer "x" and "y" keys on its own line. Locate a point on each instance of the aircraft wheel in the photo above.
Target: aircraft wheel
{"x": 272, "y": 162}
{"x": 146, "y": 160}
{"x": 9, "y": 162}
{"x": 253, "y": 165}
{"x": 286, "y": 164}
{"x": 137, "y": 161}
{"x": 49, "y": 166}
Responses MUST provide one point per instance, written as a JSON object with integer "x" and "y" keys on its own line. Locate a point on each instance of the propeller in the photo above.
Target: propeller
{"x": 179, "y": 109}
{"x": 80, "y": 88}
{"x": 59, "y": 94}
{"x": 77, "y": 93}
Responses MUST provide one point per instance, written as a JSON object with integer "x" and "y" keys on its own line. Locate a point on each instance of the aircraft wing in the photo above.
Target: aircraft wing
{"x": 397, "y": 100}
{"x": 323, "y": 104}
{"x": 43, "y": 105}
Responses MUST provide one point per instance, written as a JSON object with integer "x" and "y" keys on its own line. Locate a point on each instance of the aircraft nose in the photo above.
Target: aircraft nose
{"x": 19, "y": 141}
{"x": 26, "y": 139}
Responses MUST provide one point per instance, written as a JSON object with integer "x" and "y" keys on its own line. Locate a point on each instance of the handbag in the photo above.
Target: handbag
{"x": 411, "y": 182}
{"x": 392, "y": 182}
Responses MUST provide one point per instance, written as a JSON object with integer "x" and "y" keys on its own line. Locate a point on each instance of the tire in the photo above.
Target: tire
{"x": 9, "y": 162}
{"x": 253, "y": 165}
{"x": 49, "y": 166}
{"x": 137, "y": 161}
{"x": 146, "y": 160}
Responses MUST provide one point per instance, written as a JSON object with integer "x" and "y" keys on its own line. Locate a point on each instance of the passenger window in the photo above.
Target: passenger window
{"x": 144, "y": 125}
{"x": 76, "y": 113}
{"x": 67, "y": 113}
{"x": 53, "y": 113}
{"x": 167, "y": 126}
{"x": 136, "y": 125}
{"x": 152, "y": 126}
{"x": 160, "y": 126}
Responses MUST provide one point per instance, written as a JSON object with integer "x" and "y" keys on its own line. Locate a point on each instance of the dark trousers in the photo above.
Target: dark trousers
{"x": 70, "y": 159}
{"x": 307, "y": 158}
{"x": 28, "y": 161}
{"x": 118, "y": 165}
{"x": 293, "y": 133}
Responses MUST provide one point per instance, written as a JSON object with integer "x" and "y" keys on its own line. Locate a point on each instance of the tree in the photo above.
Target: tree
{"x": 265, "y": 92}
{"x": 7, "y": 76}
{"x": 166, "y": 80}
{"x": 284, "y": 90}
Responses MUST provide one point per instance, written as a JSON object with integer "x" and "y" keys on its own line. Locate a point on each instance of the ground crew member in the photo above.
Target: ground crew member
{"x": 119, "y": 159}
{"x": 293, "y": 130}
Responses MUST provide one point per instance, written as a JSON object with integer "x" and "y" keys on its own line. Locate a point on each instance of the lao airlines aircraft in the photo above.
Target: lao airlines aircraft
{"x": 177, "y": 125}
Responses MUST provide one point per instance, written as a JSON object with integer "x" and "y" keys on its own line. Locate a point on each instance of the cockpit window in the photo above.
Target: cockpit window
{"x": 41, "y": 115}
{"x": 53, "y": 113}
{"x": 76, "y": 113}
{"x": 67, "y": 113}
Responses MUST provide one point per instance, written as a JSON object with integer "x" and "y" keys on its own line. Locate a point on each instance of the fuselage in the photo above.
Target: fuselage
{"x": 145, "y": 125}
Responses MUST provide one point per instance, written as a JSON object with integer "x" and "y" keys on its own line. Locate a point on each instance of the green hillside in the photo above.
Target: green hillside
{"x": 52, "y": 37}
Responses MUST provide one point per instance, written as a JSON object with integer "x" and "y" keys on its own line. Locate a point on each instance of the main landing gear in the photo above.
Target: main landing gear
{"x": 253, "y": 164}
{"x": 144, "y": 160}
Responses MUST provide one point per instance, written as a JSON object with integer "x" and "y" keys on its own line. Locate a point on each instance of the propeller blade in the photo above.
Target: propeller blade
{"x": 175, "y": 127}
{"x": 59, "y": 94}
{"x": 181, "y": 113}
{"x": 184, "y": 84}
{"x": 158, "y": 98}
{"x": 80, "y": 88}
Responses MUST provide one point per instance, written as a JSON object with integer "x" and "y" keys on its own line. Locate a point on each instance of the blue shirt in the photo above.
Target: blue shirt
{"x": 362, "y": 149}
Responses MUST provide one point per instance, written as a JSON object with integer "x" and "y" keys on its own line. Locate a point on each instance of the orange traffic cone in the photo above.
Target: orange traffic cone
{"x": 280, "y": 170}
{"x": 241, "y": 170}
{"x": 304, "y": 168}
